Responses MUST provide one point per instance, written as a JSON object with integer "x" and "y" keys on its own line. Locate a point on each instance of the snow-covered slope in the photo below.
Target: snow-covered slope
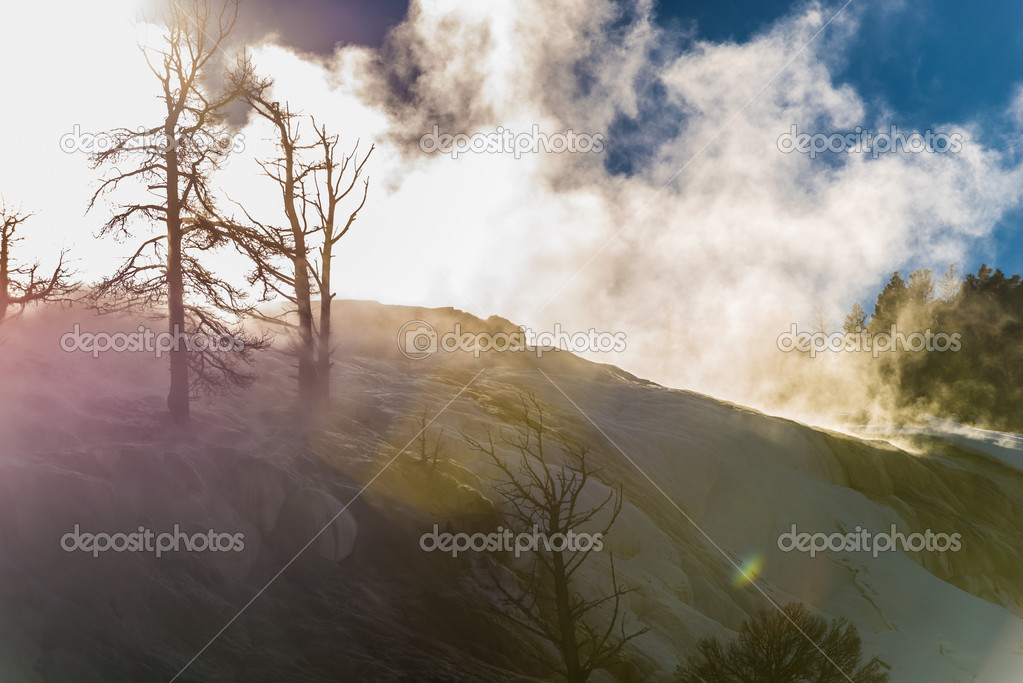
{"x": 708, "y": 486}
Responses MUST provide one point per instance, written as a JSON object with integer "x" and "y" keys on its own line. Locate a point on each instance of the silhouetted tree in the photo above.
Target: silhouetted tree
{"x": 21, "y": 285}
{"x": 820, "y": 323}
{"x": 771, "y": 649}
{"x": 547, "y": 496}
{"x": 918, "y": 312}
{"x": 856, "y": 321}
{"x": 950, "y": 284}
{"x": 173, "y": 160}
{"x": 972, "y": 370}
{"x": 292, "y": 282}
{"x": 422, "y": 448}
{"x": 889, "y": 303}
{"x": 920, "y": 287}
{"x": 331, "y": 189}
{"x": 313, "y": 181}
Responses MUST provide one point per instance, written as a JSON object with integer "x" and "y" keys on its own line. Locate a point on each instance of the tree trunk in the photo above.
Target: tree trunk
{"x": 566, "y": 624}
{"x": 177, "y": 398}
{"x": 307, "y": 381}
{"x": 4, "y": 274}
{"x": 326, "y": 298}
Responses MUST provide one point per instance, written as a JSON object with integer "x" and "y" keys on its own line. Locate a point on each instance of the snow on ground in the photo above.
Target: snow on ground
{"x": 708, "y": 486}
{"x": 1003, "y": 446}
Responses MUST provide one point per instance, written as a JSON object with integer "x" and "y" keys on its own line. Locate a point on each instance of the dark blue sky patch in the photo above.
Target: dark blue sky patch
{"x": 634, "y": 142}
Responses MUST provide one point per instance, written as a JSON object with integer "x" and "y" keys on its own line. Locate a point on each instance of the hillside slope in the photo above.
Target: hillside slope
{"x": 707, "y": 486}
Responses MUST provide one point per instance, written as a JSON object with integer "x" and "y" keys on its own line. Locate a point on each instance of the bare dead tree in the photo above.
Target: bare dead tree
{"x": 950, "y": 284}
{"x": 820, "y": 323}
{"x": 173, "y": 161}
{"x": 293, "y": 283}
{"x": 422, "y": 448}
{"x": 588, "y": 632}
{"x": 331, "y": 189}
{"x": 21, "y": 285}
{"x": 313, "y": 180}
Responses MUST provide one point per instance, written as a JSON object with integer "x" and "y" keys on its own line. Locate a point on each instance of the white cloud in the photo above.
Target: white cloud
{"x": 705, "y": 271}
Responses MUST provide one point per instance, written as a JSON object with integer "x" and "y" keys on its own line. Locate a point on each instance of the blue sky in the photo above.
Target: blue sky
{"x": 929, "y": 62}
{"x": 730, "y": 252}
{"x": 916, "y": 65}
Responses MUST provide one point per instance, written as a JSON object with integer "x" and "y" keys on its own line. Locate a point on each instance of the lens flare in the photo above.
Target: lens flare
{"x": 748, "y": 571}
